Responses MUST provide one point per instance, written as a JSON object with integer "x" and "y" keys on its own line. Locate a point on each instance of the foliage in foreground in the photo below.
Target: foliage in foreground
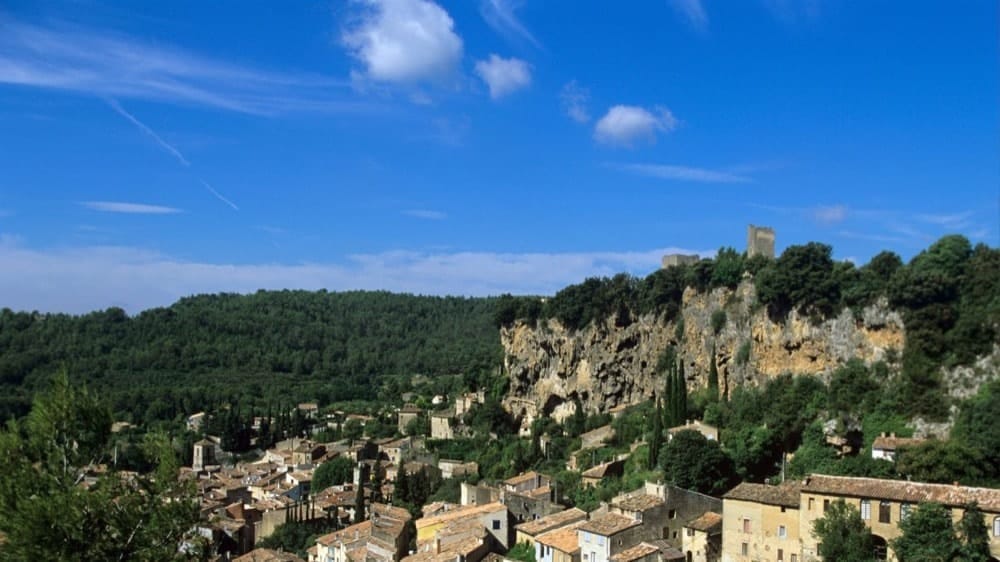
{"x": 50, "y": 515}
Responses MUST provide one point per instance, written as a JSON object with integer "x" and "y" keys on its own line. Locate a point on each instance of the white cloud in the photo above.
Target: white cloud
{"x": 112, "y": 65}
{"x": 682, "y": 173}
{"x": 425, "y": 214}
{"x": 693, "y": 11}
{"x": 946, "y": 220}
{"x": 129, "y": 208}
{"x": 624, "y": 125}
{"x": 504, "y": 76}
{"x": 499, "y": 14}
{"x": 404, "y": 41}
{"x": 83, "y": 279}
{"x": 831, "y": 214}
{"x": 574, "y": 100}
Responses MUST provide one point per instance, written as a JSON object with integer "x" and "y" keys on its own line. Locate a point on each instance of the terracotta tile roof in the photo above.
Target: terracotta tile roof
{"x": 600, "y": 470}
{"x": 410, "y": 409}
{"x": 638, "y": 502}
{"x": 708, "y": 522}
{"x": 894, "y": 443}
{"x": 667, "y": 551}
{"x": 462, "y": 512}
{"x": 267, "y": 555}
{"x": 521, "y": 478}
{"x": 355, "y": 532}
{"x": 565, "y": 539}
{"x": 636, "y": 552}
{"x": 786, "y": 495}
{"x": 609, "y": 524}
{"x": 903, "y": 491}
{"x": 551, "y": 522}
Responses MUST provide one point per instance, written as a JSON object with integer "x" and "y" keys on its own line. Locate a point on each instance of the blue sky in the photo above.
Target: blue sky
{"x": 475, "y": 146}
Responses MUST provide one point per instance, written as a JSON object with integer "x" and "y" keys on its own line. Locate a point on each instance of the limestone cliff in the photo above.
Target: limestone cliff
{"x": 608, "y": 364}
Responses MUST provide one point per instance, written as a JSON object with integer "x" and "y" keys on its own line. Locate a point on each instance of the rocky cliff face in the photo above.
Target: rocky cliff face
{"x": 609, "y": 364}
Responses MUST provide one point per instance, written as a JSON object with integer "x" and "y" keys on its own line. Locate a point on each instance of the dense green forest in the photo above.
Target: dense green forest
{"x": 266, "y": 347}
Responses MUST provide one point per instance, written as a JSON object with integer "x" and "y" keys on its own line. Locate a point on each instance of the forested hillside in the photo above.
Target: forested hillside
{"x": 280, "y": 346}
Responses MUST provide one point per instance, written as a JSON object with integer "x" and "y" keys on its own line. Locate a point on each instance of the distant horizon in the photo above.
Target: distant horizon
{"x": 509, "y": 146}
{"x": 245, "y": 275}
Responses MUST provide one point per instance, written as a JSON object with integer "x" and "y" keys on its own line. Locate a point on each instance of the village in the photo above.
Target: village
{"x": 528, "y": 516}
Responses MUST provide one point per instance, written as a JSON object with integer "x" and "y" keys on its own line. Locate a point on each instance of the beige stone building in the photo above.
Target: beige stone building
{"x": 530, "y": 530}
{"x": 703, "y": 538}
{"x": 883, "y": 503}
{"x": 560, "y": 545}
{"x": 761, "y": 522}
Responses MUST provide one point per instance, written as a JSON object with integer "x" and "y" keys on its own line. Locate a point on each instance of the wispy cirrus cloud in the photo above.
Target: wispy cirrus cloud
{"x": 693, "y": 11}
{"x": 426, "y": 214}
{"x": 82, "y": 279}
{"x": 681, "y": 173}
{"x": 946, "y": 220}
{"x": 129, "y": 208}
{"x": 626, "y": 125}
{"x": 107, "y": 64}
{"x": 830, "y": 214}
{"x": 574, "y": 99}
{"x": 499, "y": 14}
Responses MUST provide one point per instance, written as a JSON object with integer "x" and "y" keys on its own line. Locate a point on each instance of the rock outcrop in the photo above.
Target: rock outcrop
{"x": 614, "y": 362}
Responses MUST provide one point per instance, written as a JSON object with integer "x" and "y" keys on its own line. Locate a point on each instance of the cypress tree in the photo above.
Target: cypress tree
{"x": 713, "y": 376}
{"x": 359, "y": 504}
{"x": 682, "y": 392}
{"x": 656, "y": 435}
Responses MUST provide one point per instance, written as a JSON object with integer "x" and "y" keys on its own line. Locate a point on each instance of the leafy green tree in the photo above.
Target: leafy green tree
{"x": 691, "y": 461}
{"x": 522, "y": 551}
{"x": 975, "y": 426}
{"x": 942, "y": 462}
{"x": 728, "y": 270}
{"x": 718, "y": 321}
{"x": 842, "y": 535}
{"x": 928, "y": 536}
{"x": 974, "y": 535}
{"x": 49, "y": 515}
{"x": 333, "y": 472}
{"x": 801, "y": 278}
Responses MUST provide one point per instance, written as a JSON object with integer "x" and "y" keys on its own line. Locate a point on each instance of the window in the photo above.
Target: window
{"x": 826, "y": 505}
{"x": 782, "y": 534}
{"x": 884, "y": 512}
{"x": 600, "y": 540}
{"x": 996, "y": 526}
{"x": 904, "y": 510}
{"x": 782, "y": 509}
{"x": 496, "y": 524}
{"x": 690, "y": 532}
{"x": 795, "y": 558}
{"x": 672, "y": 514}
{"x": 781, "y": 555}
{"x": 810, "y": 504}
{"x": 866, "y": 510}
{"x": 747, "y": 526}
{"x": 745, "y": 549}
{"x": 586, "y": 537}
{"x": 675, "y": 534}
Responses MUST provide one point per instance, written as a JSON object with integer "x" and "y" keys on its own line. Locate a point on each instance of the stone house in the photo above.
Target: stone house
{"x": 592, "y": 477}
{"x": 709, "y": 431}
{"x": 761, "y": 522}
{"x": 493, "y": 517}
{"x": 442, "y": 424}
{"x": 529, "y": 530}
{"x": 607, "y": 535}
{"x": 703, "y": 538}
{"x": 407, "y": 413}
{"x": 642, "y": 552}
{"x": 664, "y": 510}
{"x": 457, "y": 469}
{"x": 384, "y": 537}
{"x": 883, "y": 503}
{"x": 559, "y": 545}
{"x": 886, "y": 446}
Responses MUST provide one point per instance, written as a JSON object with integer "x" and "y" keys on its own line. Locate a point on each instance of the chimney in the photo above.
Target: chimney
{"x": 892, "y": 434}
{"x": 883, "y": 434}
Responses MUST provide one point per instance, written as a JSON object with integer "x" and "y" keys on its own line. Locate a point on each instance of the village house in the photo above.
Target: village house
{"x": 529, "y": 530}
{"x": 457, "y": 469}
{"x": 559, "y": 545}
{"x": 761, "y": 522}
{"x": 267, "y": 555}
{"x": 592, "y": 477}
{"x": 407, "y": 413}
{"x": 886, "y": 446}
{"x": 710, "y": 432}
{"x": 664, "y": 510}
{"x": 396, "y": 450}
{"x": 442, "y": 424}
{"x": 607, "y": 535}
{"x": 703, "y": 538}
{"x": 646, "y": 552}
{"x": 493, "y": 517}
{"x": 384, "y": 537}
{"x": 883, "y": 503}
{"x": 195, "y": 421}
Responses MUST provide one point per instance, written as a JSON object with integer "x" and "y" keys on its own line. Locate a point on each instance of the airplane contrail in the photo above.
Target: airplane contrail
{"x": 166, "y": 146}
